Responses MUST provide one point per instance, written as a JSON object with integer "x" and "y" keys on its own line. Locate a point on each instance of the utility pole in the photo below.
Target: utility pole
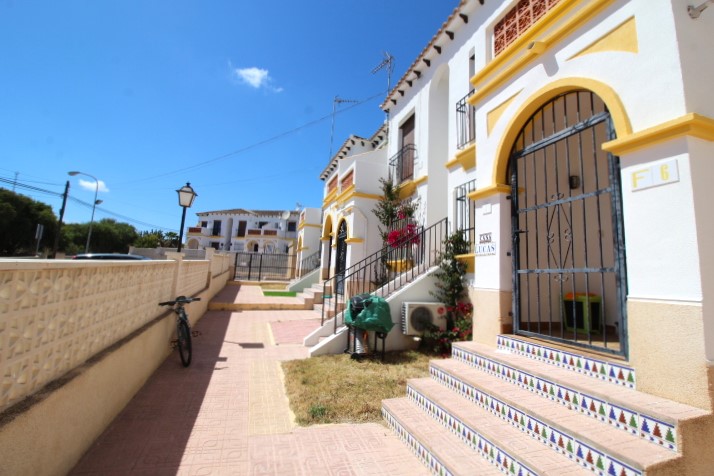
{"x": 61, "y": 217}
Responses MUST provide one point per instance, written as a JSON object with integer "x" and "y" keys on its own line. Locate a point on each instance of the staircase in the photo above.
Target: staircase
{"x": 525, "y": 408}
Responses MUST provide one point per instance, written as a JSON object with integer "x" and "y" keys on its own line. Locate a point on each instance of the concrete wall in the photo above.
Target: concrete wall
{"x": 48, "y": 428}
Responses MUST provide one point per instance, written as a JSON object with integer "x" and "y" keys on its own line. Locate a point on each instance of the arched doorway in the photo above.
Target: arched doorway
{"x": 341, "y": 257}
{"x": 569, "y": 272}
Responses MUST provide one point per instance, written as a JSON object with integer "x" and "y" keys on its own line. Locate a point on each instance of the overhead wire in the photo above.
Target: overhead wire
{"x": 32, "y": 188}
{"x": 258, "y": 144}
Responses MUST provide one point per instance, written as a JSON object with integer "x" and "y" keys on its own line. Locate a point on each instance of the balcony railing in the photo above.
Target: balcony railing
{"x": 465, "y": 122}
{"x": 402, "y": 163}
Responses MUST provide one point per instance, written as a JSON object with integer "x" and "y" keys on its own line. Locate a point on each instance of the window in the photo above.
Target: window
{"x": 464, "y": 210}
{"x": 204, "y": 224}
{"x": 216, "y": 228}
{"x": 292, "y": 226}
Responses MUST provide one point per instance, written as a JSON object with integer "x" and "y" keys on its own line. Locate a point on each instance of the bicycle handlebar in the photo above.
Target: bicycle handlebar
{"x": 179, "y": 300}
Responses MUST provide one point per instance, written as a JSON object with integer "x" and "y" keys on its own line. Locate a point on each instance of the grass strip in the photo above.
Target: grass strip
{"x": 280, "y": 293}
{"x": 338, "y": 389}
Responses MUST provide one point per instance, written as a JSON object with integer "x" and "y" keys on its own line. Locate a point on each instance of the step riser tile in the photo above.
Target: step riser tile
{"x": 567, "y": 445}
{"x": 421, "y": 452}
{"x": 644, "y": 426}
{"x": 471, "y": 437}
{"x": 596, "y": 368}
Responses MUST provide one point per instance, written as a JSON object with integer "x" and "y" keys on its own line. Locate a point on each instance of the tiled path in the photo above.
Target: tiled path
{"x": 227, "y": 414}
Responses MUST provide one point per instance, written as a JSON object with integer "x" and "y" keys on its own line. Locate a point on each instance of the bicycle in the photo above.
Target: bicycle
{"x": 183, "y": 327}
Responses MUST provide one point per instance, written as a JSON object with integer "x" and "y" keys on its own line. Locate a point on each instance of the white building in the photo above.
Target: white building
{"x": 576, "y": 137}
{"x": 349, "y": 228}
{"x": 254, "y": 231}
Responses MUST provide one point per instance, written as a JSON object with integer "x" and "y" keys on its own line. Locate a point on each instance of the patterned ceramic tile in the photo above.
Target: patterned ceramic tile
{"x": 557, "y": 440}
{"x": 661, "y": 433}
{"x": 596, "y": 368}
{"x": 495, "y": 455}
{"x": 419, "y": 450}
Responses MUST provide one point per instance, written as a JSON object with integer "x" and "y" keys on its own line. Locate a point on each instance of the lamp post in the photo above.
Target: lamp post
{"x": 94, "y": 204}
{"x": 186, "y": 196}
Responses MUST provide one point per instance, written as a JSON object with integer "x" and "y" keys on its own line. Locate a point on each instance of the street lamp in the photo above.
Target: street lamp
{"x": 94, "y": 204}
{"x": 186, "y": 196}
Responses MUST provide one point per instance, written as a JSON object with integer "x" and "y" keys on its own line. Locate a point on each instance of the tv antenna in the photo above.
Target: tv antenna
{"x": 335, "y": 102}
{"x": 388, "y": 63}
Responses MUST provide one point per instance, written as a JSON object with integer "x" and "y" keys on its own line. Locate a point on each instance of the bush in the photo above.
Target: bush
{"x": 439, "y": 341}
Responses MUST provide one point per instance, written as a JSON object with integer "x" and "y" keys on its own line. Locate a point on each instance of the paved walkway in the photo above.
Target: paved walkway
{"x": 227, "y": 414}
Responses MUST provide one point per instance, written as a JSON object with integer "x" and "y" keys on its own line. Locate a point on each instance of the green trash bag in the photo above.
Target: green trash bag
{"x": 369, "y": 313}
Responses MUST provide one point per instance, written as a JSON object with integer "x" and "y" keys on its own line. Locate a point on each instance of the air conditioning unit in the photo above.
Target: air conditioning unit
{"x": 416, "y": 316}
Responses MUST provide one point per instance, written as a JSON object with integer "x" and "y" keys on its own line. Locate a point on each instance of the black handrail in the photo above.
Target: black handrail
{"x": 309, "y": 263}
{"x": 387, "y": 270}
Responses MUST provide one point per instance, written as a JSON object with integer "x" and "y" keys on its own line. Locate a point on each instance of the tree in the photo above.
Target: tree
{"x": 108, "y": 236}
{"x": 19, "y": 217}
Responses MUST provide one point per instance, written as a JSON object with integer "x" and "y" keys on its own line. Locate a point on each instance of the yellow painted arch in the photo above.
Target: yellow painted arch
{"x": 620, "y": 119}
{"x": 327, "y": 228}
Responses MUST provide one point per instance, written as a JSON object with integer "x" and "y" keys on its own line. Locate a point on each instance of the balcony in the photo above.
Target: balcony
{"x": 465, "y": 122}
{"x": 402, "y": 164}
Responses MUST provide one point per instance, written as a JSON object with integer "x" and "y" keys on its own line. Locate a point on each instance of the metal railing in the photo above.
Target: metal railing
{"x": 308, "y": 264}
{"x": 465, "y": 122}
{"x": 385, "y": 271}
{"x": 403, "y": 163}
{"x": 264, "y": 266}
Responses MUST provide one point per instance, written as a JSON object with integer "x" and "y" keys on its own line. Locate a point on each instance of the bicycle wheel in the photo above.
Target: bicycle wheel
{"x": 184, "y": 342}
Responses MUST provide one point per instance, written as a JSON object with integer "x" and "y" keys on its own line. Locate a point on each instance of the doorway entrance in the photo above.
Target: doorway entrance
{"x": 569, "y": 271}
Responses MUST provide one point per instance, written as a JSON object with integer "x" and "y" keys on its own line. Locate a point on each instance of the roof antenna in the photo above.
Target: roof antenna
{"x": 335, "y": 102}
{"x": 388, "y": 63}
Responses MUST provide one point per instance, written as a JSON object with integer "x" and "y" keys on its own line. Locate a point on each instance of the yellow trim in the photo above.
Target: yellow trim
{"x": 622, "y": 38}
{"x": 350, "y": 194}
{"x": 370, "y": 196}
{"x": 308, "y": 225}
{"x": 406, "y": 189}
{"x": 452, "y": 163}
{"x": 326, "y": 234}
{"x": 342, "y": 196}
{"x": 620, "y": 120}
{"x": 469, "y": 261}
{"x": 329, "y": 198}
{"x": 488, "y": 191}
{"x": 467, "y": 157}
{"x": 489, "y": 82}
{"x": 691, "y": 124}
{"x": 495, "y": 114}
{"x": 351, "y": 241}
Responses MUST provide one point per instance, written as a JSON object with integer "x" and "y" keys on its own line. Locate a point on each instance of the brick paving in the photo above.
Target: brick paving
{"x": 227, "y": 414}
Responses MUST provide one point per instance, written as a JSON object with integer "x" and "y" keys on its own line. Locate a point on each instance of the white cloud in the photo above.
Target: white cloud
{"x": 92, "y": 185}
{"x": 256, "y": 78}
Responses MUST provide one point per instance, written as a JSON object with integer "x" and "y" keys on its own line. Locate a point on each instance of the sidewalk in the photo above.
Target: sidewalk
{"x": 227, "y": 414}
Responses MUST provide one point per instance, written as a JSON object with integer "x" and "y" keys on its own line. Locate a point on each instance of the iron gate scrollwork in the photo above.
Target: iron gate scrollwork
{"x": 569, "y": 273}
{"x": 341, "y": 257}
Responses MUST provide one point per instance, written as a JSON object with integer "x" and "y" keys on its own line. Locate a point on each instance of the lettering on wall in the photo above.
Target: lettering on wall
{"x": 654, "y": 175}
{"x": 485, "y": 245}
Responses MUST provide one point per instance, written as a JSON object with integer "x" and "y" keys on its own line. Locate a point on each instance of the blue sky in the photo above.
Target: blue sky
{"x": 235, "y": 97}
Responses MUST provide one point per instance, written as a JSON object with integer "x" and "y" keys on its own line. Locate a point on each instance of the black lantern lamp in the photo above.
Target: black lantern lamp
{"x": 186, "y": 196}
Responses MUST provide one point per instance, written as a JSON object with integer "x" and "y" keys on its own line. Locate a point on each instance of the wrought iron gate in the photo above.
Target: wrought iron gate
{"x": 569, "y": 268}
{"x": 264, "y": 266}
{"x": 341, "y": 257}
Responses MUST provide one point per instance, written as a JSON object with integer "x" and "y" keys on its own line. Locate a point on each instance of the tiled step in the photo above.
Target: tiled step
{"x": 603, "y": 368}
{"x": 652, "y": 418}
{"x": 314, "y": 294}
{"x": 576, "y": 436}
{"x": 440, "y": 450}
{"x": 504, "y": 446}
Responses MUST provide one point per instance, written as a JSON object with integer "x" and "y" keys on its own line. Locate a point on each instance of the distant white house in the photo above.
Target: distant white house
{"x": 254, "y": 231}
